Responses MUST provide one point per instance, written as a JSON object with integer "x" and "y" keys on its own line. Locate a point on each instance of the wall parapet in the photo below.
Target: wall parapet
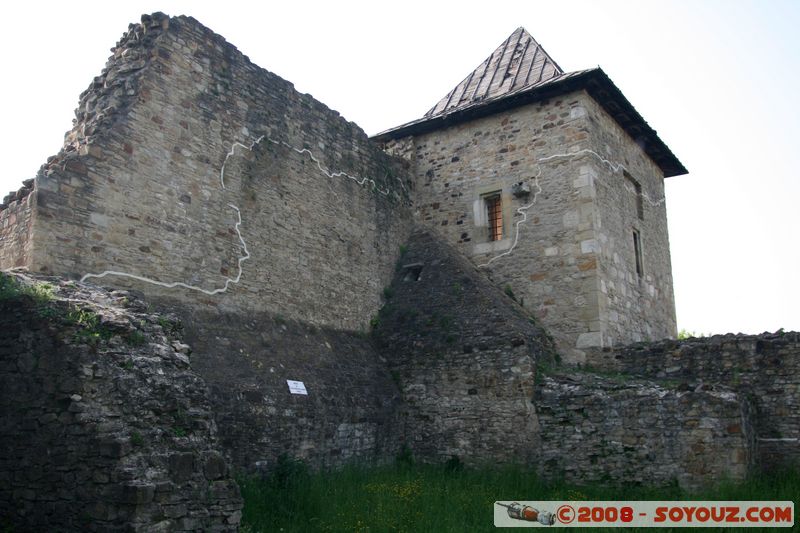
{"x": 765, "y": 367}
{"x": 604, "y": 429}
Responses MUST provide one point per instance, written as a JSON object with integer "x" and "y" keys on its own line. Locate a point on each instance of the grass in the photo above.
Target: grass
{"x": 40, "y": 293}
{"x": 135, "y": 338}
{"x": 90, "y": 330}
{"x": 510, "y": 292}
{"x": 407, "y": 497}
{"x": 169, "y": 326}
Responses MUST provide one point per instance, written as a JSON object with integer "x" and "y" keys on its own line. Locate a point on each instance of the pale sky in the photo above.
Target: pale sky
{"x": 718, "y": 80}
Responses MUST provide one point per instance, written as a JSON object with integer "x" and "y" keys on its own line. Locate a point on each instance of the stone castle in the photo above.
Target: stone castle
{"x": 553, "y": 184}
{"x": 423, "y": 285}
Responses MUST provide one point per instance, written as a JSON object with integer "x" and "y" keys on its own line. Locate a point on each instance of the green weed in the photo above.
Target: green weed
{"x": 509, "y": 292}
{"x": 137, "y": 439}
{"x": 411, "y": 497}
{"x": 135, "y": 338}
{"x": 684, "y": 334}
{"x": 89, "y": 330}
{"x": 41, "y": 294}
{"x": 375, "y": 322}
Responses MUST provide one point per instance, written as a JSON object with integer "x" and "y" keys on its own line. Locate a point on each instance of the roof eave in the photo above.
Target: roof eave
{"x": 596, "y": 83}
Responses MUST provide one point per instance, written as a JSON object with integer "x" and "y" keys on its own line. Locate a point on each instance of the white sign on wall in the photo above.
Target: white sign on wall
{"x": 297, "y": 387}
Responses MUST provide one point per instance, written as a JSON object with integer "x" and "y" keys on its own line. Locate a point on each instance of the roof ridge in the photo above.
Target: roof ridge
{"x": 506, "y": 61}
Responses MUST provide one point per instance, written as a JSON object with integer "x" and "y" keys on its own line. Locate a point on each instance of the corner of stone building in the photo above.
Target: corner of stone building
{"x": 636, "y": 300}
{"x": 69, "y": 186}
{"x": 539, "y": 158}
{"x": 184, "y": 153}
{"x": 403, "y": 148}
{"x": 17, "y": 224}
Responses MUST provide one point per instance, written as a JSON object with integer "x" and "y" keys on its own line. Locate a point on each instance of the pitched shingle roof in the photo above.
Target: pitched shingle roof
{"x": 518, "y": 63}
{"x": 520, "y": 72}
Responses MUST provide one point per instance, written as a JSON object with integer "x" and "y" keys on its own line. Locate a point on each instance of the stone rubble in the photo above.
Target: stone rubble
{"x": 104, "y": 426}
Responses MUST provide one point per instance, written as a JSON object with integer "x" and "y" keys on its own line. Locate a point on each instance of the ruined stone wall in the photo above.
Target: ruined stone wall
{"x": 629, "y": 196}
{"x": 17, "y": 213}
{"x": 764, "y": 367}
{"x": 478, "y": 381}
{"x": 552, "y": 265}
{"x": 622, "y": 430}
{"x": 190, "y": 166}
{"x": 247, "y": 359}
{"x": 103, "y": 424}
{"x": 463, "y": 355}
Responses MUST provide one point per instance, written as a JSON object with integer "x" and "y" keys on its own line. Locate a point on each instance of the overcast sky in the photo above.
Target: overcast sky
{"x": 719, "y": 81}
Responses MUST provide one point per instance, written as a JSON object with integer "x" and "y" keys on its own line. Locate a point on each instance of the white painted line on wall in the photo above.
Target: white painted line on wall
{"x": 524, "y": 209}
{"x": 229, "y": 281}
{"x": 325, "y": 171}
{"x": 524, "y": 212}
{"x": 231, "y": 153}
{"x": 174, "y": 284}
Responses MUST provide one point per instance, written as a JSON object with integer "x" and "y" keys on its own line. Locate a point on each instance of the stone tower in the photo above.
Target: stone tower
{"x": 553, "y": 184}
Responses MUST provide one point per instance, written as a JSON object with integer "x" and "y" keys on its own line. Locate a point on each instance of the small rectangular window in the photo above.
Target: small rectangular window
{"x": 635, "y": 189}
{"x": 494, "y": 215}
{"x": 637, "y": 252}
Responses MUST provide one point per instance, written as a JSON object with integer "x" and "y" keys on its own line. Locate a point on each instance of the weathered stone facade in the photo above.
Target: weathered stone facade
{"x": 190, "y": 166}
{"x": 568, "y": 216}
{"x": 632, "y": 306}
{"x": 464, "y": 357}
{"x": 764, "y": 368}
{"x": 105, "y": 427}
{"x": 17, "y": 213}
{"x": 620, "y": 430}
{"x": 246, "y": 360}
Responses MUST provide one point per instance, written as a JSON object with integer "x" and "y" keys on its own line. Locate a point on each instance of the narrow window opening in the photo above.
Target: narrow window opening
{"x": 494, "y": 215}
{"x": 636, "y": 189}
{"x": 637, "y": 252}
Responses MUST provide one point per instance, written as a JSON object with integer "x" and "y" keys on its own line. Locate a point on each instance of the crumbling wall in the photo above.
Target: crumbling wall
{"x": 194, "y": 175}
{"x": 17, "y": 212}
{"x": 103, "y": 424}
{"x": 345, "y": 417}
{"x": 463, "y": 355}
{"x": 615, "y": 430}
{"x": 764, "y": 367}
